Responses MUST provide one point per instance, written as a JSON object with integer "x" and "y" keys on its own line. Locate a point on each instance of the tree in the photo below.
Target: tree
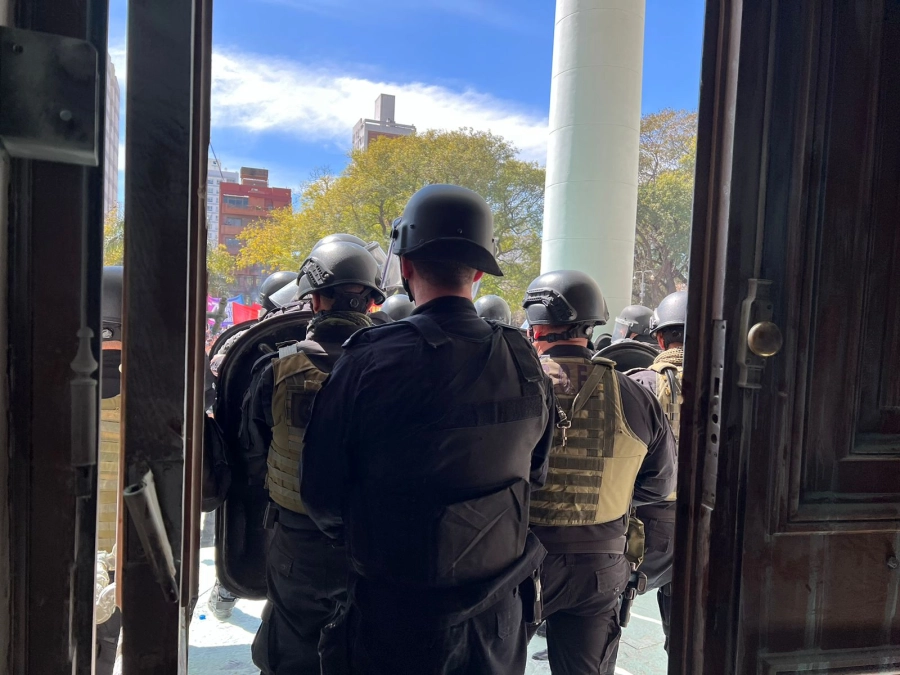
{"x": 665, "y": 194}
{"x": 113, "y": 238}
{"x": 376, "y": 184}
{"x": 220, "y": 271}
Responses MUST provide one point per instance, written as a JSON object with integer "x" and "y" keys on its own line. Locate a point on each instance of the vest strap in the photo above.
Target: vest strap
{"x": 429, "y": 329}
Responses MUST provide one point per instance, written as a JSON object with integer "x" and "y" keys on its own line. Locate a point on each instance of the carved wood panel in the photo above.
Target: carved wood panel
{"x": 832, "y": 239}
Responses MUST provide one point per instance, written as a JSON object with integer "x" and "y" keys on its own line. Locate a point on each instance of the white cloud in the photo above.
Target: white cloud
{"x": 263, "y": 94}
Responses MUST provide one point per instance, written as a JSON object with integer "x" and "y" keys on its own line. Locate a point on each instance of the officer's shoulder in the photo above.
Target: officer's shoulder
{"x": 367, "y": 335}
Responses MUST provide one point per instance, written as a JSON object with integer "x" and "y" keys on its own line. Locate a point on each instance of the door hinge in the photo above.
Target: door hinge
{"x": 756, "y": 309}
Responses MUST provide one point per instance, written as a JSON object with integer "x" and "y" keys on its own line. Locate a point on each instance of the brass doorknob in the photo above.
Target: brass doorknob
{"x": 765, "y": 339}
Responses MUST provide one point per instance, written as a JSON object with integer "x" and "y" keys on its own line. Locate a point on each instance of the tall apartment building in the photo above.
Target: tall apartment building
{"x": 367, "y": 130}
{"x": 215, "y": 176}
{"x": 111, "y": 140}
{"x": 241, "y": 204}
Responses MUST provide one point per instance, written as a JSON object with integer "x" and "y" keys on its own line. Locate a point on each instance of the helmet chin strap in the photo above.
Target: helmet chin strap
{"x": 405, "y": 282}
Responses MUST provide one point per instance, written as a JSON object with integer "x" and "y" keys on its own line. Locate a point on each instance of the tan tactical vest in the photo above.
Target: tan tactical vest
{"x": 596, "y": 456}
{"x": 108, "y": 489}
{"x": 668, "y": 391}
{"x": 296, "y": 382}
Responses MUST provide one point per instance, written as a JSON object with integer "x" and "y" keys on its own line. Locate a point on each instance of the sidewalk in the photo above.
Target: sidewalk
{"x": 223, "y": 647}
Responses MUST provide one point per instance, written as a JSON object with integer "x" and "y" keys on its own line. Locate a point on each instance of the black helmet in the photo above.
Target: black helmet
{"x": 111, "y": 303}
{"x": 336, "y": 264}
{"x": 672, "y": 312}
{"x": 331, "y": 238}
{"x": 447, "y": 222}
{"x": 632, "y": 319}
{"x": 493, "y": 308}
{"x": 398, "y": 306}
{"x": 274, "y": 282}
{"x": 563, "y": 298}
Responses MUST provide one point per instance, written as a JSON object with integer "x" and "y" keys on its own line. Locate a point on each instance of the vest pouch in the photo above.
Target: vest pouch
{"x": 635, "y": 540}
{"x": 479, "y": 537}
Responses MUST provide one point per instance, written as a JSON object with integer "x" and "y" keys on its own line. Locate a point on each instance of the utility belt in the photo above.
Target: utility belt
{"x": 445, "y": 607}
{"x": 284, "y": 516}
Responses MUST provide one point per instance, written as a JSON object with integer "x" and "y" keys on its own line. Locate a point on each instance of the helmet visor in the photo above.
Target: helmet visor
{"x": 284, "y": 295}
{"x": 622, "y": 329}
{"x": 390, "y": 268}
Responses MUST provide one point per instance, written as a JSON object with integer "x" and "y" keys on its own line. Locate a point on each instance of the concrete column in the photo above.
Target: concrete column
{"x": 592, "y": 156}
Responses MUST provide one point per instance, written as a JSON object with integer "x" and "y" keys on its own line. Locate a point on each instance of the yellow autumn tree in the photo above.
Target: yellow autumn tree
{"x": 376, "y": 184}
{"x": 113, "y": 238}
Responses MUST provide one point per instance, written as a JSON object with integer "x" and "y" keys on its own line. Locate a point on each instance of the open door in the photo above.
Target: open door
{"x": 789, "y": 513}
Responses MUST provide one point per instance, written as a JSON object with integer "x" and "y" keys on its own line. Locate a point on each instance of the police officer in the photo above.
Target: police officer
{"x": 633, "y": 323}
{"x": 493, "y": 308}
{"x": 398, "y": 306}
{"x": 273, "y": 283}
{"x": 422, "y": 449}
{"x": 611, "y": 445}
{"x": 663, "y": 378}
{"x": 306, "y": 571}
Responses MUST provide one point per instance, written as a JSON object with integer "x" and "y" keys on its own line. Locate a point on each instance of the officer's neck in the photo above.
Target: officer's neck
{"x": 426, "y": 293}
{"x": 542, "y": 345}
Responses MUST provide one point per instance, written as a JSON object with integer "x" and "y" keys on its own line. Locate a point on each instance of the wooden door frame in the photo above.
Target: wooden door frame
{"x": 163, "y": 364}
{"x": 707, "y": 564}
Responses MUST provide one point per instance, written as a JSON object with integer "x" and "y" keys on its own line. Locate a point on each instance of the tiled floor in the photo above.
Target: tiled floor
{"x": 223, "y": 647}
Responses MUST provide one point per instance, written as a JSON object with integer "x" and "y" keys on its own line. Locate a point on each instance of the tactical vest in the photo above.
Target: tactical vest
{"x": 596, "y": 456}
{"x": 296, "y": 382}
{"x": 668, "y": 391}
{"x": 108, "y": 488}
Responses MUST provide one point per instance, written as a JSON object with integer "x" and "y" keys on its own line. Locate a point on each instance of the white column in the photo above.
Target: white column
{"x": 590, "y": 203}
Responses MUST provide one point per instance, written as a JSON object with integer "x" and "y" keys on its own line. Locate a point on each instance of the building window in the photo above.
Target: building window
{"x": 234, "y": 222}
{"x": 239, "y": 202}
{"x": 232, "y": 243}
{"x": 269, "y": 205}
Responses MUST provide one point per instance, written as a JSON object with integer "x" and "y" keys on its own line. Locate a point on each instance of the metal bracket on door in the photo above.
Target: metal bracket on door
{"x": 48, "y": 97}
{"x": 756, "y": 323}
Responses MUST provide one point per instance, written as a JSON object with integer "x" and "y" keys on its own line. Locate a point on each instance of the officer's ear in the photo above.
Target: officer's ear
{"x": 407, "y": 270}
{"x": 660, "y": 340}
{"x": 478, "y": 275}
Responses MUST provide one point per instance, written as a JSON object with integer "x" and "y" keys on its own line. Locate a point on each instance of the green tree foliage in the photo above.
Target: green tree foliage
{"x": 376, "y": 184}
{"x": 665, "y": 193}
{"x": 113, "y": 239}
{"x": 220, "y": 271}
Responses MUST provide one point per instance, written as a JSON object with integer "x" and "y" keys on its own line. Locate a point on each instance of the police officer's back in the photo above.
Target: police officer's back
{"x": 428, "y": 470}
{"x": 663, "y": 378}
{"x": 306, "y": 571}
{"x": 612, "y": 445}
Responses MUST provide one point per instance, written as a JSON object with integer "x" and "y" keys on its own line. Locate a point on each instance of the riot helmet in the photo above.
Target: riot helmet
{"x": 632, "y": 319}
{"x": 340, "y": 236}
{"x": 398, "y": 306}
{"x": 447, "y": 223}
{"x": 113, "y": 288}
{"x": 565, "y": 298}
{"x": 331, "y": 266}
{"x": 274, "y": 282}
{"x": 671, "y": 313}
{"x": 493, "y": 308}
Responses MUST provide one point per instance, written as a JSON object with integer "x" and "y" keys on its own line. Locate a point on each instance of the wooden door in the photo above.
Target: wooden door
{"x": 789, "y": 528}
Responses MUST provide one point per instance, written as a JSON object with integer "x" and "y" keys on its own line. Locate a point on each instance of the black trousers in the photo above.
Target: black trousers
{"x": 659, "y": 558}
{"x": 367, "y": 643}
{"x": 581, "y": 599}
{"x": 306, "y": 574}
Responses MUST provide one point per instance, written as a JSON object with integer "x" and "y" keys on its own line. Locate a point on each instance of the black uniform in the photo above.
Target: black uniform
{"x": 306, "y": 572}
{"x": 659, "y": 532}
{"x": 423, "y": 446}
{"x": 585, "y": 571}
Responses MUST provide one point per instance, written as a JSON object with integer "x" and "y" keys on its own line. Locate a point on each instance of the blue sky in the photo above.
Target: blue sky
{"x": 291, "y": 77}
